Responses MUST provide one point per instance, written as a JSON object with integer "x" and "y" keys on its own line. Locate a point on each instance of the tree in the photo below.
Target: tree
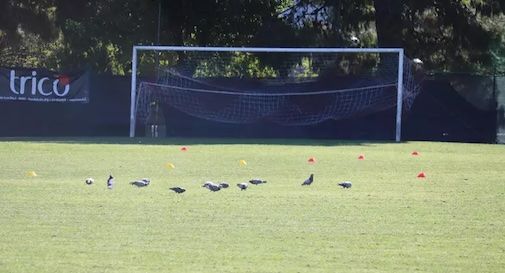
{"x": 446, "y": 34}
{"x": 216, "y": 22}
{"x": 24, "y": 25}
{"x": 101, "y": 33}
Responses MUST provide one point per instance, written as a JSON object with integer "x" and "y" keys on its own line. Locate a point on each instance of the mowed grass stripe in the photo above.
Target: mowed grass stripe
{"x": 389, "y": 221}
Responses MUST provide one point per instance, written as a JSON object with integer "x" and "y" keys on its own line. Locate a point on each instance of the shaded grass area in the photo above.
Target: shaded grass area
{"x": 390, "y": 221}
{"x": 189, "y": 141}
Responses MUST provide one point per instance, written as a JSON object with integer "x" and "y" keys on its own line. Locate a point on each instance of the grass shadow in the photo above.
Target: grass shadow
{"x": 193, "y": 141}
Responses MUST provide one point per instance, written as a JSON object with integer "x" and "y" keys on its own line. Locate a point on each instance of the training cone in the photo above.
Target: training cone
{"x": 414, "y": 153}
{"x": 184, "y": 148}
{"x": 31, "y": 174}
{"x": 421, "y": 175}
{"x": 361, "y": 157}
{"x": 242, "y": 162}
{"x": 170, "y": 166}
{"x": 312, "y": 160}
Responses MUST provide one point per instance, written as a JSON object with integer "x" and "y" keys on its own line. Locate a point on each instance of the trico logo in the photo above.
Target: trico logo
{"x": 39, "y": 85}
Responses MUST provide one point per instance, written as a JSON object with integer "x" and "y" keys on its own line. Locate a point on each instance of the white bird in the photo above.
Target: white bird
{"x": 417, "y": 61}
{"x": 223, "y": 185}
{"x": 345, "y": 184}
{"x": 144, "y": 182}
{"x": 257, "y": 181}
{"x": 242, "y": 186}
{"x": 110, "y": 182}
{"x": 355, "y": 40}
{"x": 309, "y": 180}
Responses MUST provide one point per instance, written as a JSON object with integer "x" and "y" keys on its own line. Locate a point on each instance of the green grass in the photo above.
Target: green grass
{"x": 390, "y": 221}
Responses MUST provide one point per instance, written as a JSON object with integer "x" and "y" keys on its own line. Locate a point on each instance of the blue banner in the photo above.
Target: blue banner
{"x": 39, "y": 85}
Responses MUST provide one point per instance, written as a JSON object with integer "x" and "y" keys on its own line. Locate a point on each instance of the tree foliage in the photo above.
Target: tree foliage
{"x": 448, "y": 35}
{"x": 445, "y": 34}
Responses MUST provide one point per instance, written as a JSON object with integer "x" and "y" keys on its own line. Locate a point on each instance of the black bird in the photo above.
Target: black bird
{"x": 223, "y": 185}
{"x": 178, "y": 189}
{"x": 110, "y": 182}
{"x": 141, "y": 183}
{"x": 345, "y": 184}
{"x": 242, "y": 186}
{"x": 211, "y": 186}
{"x": 257, "y": 181}
{"x": 308, "y": 181}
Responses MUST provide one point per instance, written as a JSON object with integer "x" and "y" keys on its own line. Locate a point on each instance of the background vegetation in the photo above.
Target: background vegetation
{"x": 448, "y": 35}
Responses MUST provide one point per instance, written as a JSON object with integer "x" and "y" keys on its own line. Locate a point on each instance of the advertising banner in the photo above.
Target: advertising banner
{"x": 39, "y": 85}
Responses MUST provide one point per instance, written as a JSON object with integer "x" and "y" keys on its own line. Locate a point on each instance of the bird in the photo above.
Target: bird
{"x": 211, "y": 186}
{"x": 178, "y": 189}
{"x": 309, "y": 180}
{"x": 208, "y": 183}
{"x": 144, "y": 182}
{"x": 223, "y": 185}
{"x": 355, "y": 40}
{"x": 417, "y": 61}
{"x": 345, "y": 184}
{"x": 110, "y": 182}
{"x": 257, "y": 181}
{"x": 242, "y": 186}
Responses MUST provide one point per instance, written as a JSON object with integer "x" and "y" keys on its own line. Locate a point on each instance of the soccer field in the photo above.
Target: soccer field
{"x": 389, "y": 221}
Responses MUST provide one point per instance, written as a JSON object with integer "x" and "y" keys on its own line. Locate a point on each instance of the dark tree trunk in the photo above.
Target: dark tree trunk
{"x": 175, "y": 18}
{"x": 388, "y": 22}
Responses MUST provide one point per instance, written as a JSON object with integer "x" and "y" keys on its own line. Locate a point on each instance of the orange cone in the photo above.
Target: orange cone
{"x": 421, "y": 175}
{"x": 184, "y": 148}
{"x": 312, "y": 160}
{"x": 361, "y": 157}
{"x": 414, "y": 153}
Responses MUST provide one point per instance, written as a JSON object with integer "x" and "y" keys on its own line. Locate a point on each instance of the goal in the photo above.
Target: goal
{"x": 286, "y": 86}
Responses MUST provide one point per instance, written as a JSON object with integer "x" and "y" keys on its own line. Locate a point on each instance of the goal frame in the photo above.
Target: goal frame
{"x": 399, "y": 51}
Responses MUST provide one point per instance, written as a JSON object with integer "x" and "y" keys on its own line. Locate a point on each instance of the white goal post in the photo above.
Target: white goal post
{"x": 399, "y": 51}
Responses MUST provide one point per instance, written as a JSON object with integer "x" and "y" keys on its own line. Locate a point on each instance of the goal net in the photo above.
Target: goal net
{"x": 289, "y": 87}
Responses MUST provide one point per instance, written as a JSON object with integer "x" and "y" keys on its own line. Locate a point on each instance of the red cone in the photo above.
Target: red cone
{"x": 421, "y": 175}
{"x": 414, "y": 153}
{"x": 184, "y": 148}
{"x": 361, "y": 157}
{"x": 312, "y": 160}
